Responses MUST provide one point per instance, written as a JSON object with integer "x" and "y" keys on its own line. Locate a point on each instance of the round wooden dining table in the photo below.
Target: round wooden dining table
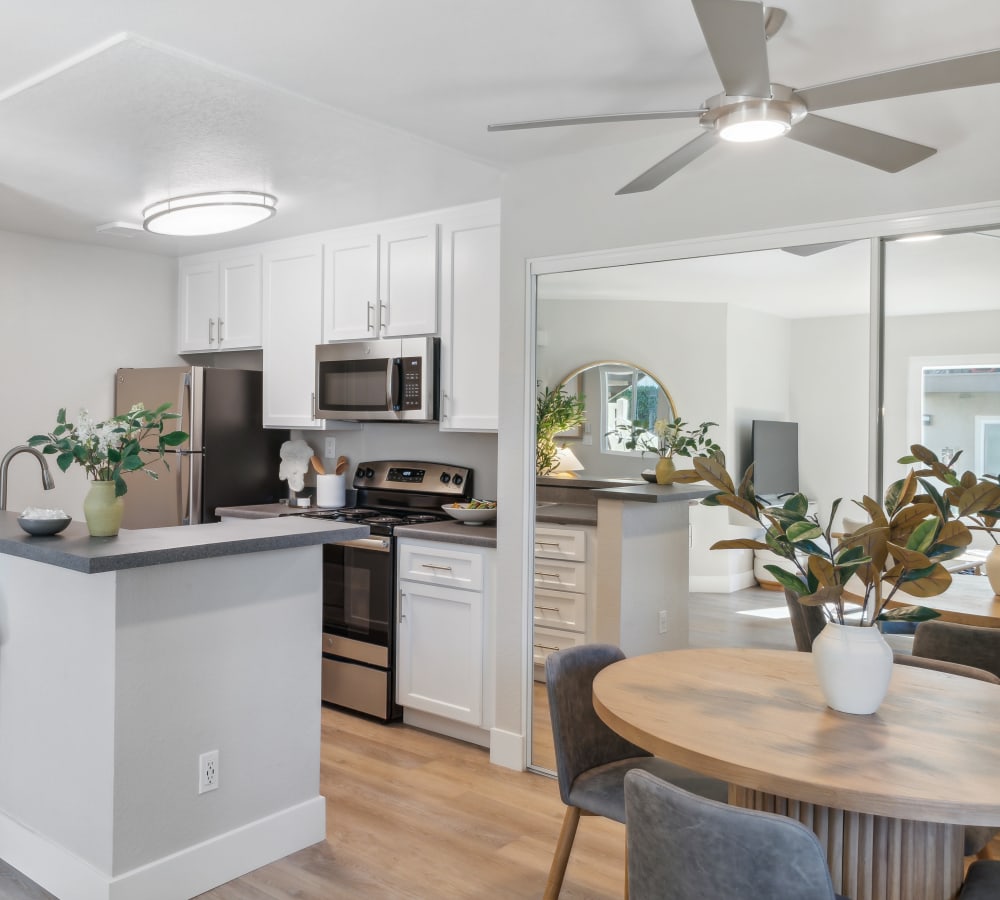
{"x": 887, "y": 794}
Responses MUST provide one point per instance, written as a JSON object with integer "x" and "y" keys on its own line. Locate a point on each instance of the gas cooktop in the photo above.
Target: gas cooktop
{"x": 379, "y": 521}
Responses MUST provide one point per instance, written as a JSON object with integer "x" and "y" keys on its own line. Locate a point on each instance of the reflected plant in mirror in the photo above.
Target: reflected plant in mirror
{"x": 555, "y": 411}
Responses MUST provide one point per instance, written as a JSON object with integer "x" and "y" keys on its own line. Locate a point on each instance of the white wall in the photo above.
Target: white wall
{"x": 568, "y": 205}
{"x": 72, "y": 315}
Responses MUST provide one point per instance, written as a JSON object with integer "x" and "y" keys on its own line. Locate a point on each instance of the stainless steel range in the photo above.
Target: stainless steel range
{"x": 359, "y": 577}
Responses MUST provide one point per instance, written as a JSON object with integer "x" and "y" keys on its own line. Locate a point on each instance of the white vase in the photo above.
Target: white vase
{"x": 853, "y": 667}
{"x": 993, "y": 568}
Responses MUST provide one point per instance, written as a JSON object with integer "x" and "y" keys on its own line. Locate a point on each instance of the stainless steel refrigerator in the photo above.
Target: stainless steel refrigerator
{"x": 230, "y": 459}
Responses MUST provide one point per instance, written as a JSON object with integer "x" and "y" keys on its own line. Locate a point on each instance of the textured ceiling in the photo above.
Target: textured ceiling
{"x": 352, "y": 111}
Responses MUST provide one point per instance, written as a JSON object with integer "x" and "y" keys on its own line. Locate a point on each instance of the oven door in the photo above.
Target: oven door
{"x": 358, "y": 590}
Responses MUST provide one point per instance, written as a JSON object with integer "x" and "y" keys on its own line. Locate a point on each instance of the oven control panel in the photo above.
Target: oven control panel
{"x": 440, "y": 479}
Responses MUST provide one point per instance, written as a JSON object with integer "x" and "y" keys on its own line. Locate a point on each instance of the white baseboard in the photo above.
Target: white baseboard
{"x": 507, "y": 749}
{"x": 189, "y": 872}
{"x": 448, "y": 727}
{"x": 720, "y": 584}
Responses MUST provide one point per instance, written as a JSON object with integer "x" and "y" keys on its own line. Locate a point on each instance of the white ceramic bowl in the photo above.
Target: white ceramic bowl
{"x": 41, "y": 527}
{"x": 462, "y": 512}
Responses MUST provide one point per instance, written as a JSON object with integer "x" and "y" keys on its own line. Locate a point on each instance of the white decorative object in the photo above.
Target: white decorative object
{"x": 853, "y": 667}
{"x": 295, "y": 456}
{"x": 993, "y": 568}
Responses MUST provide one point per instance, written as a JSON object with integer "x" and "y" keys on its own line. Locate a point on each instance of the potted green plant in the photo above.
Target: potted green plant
{"x": 977, "y": 500}
{"x": 555, "y": 412}
{"x": 671, "y": 438}
{"x": 901, "y": 550}
{"x": 108, "y": 451}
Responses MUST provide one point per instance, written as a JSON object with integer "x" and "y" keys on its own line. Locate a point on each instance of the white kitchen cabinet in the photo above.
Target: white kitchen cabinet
{"x": 470, "y": 318}
{"x": 381, "y": 281}
{"x": 293, "y": 296}
{"x": 219, "y": 304}
{"x": 564, "y": 589}
{"x": 444, "y": 597}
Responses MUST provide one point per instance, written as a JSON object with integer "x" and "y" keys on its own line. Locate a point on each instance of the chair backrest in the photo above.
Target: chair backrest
{"x": 807, "y": 622}
{"x": 969, "y": 645}
{"x": 582, "y": 741}
{"x": 943, "y": 665}
{"x": 685, "y": 847}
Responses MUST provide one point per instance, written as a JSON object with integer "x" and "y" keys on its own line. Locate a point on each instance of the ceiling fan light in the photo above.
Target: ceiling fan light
{"x": 753, "y": 122}
{"x": 211, "y": 213}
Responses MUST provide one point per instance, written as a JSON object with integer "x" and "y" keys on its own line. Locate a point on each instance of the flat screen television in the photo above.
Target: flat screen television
{"x": 775, "y": 456}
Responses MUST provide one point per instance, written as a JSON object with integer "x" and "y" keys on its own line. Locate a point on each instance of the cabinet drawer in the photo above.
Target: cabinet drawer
{"x": 560, "y": 576}
{"x": 441, "y": 566}
{"x": 548, "y": 641}
{"x": 560, "y": 543}
{"x": 561, "y": 609}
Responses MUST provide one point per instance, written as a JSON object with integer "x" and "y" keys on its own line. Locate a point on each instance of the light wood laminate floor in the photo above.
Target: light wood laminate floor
{"x": 412, "y": 815}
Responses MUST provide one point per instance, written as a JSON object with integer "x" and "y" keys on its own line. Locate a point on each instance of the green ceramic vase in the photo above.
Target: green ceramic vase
{"x": 102, "y": 509}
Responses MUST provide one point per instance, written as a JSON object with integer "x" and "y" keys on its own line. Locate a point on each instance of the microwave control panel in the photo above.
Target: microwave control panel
{"x": 413, "y": 379}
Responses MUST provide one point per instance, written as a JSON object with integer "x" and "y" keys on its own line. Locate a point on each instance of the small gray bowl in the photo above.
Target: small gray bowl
{"x": 649, "y": 476}
{"x": 41, "y": 527}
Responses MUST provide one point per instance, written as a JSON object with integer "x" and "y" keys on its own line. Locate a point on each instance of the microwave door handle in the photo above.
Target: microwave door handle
{"x": 395, "y": 383}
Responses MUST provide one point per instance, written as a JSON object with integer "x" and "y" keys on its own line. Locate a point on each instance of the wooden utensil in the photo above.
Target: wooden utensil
{"x": 317, "y": 465}
{"x": 341, "y": 465}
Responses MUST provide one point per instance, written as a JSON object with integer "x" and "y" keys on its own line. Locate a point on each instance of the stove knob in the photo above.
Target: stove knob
{"x": 445, "y": 478}
{"x": 457, "y": 480}
{"x": 369, "y": 473}
{"x": 360, "y": 473}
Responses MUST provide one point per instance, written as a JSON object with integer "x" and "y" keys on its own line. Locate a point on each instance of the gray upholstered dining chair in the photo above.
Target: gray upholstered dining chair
{"x": 982, "y": 881}
{"x": 592, "y": 759}
{"x": 968, "y": 645}
{"x": 685, "y": 847}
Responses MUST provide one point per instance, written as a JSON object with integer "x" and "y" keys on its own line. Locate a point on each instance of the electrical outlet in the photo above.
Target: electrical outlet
{"x": 208, "y": 771}
{"x": 330, "y": 448}
{"x": 663, "y": 621}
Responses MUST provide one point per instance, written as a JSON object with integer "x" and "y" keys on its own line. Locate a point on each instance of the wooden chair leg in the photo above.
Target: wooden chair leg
{"x": 560, "y": 859}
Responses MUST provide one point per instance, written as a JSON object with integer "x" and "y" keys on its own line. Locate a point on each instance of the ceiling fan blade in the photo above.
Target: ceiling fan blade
{"x": 944, "y": 75}
{"x": 677, "y": 160}
{"x": 872, "y": 148}
{"x": 597, "y": 120}
{"x": 734, "y": 32}
{"x": 813, "y": 249}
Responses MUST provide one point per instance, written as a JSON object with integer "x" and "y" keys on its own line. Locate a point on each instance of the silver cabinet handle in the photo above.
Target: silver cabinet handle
{"x": 547, "y": 608}
{"x": 312, "y": 400}
{"x": 211, "y": 331}
{"x": 371, "y": 309}
{"x": 440, "y": 568}
{"x": 546, "y": 543}
{"x": 546, "y": 647}
{"x": 220, "y": 331}
{"x": 554, "y": 575}
{"x": 383, "y": 315}
{"x": 402, "y": 615}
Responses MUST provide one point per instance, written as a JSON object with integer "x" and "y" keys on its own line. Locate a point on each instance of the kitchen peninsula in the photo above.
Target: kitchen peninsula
{"x": 122, "y": 662}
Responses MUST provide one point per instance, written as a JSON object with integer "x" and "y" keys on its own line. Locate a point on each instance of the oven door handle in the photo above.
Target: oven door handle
{"x": 379, "y": 544}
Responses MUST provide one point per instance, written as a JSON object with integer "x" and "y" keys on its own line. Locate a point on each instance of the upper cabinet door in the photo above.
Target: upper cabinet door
{"x": 293, "y": 291}
{"x": 408, "y": 280}
{"x": 350, "y": 293}
{"x": 198, "y": 307}
{"x": 239, "y": 312}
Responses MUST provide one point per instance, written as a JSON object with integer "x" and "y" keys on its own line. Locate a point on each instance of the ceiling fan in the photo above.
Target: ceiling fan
{"x": 753, "y": 108}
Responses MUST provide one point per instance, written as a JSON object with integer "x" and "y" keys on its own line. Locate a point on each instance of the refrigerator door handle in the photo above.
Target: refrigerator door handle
{"x": 194, "y": 462}
{"x": 183, "y": 401}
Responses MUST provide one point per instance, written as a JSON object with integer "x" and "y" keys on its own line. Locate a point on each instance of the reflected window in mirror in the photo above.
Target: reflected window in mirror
{"x": 631, "y": 406}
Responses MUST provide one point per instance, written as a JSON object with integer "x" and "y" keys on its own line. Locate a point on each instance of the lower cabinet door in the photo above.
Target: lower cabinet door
{"x": 439, "y": 665}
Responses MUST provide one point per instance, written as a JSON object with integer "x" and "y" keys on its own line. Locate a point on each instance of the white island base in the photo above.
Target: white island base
{"x": 112, "y": 685}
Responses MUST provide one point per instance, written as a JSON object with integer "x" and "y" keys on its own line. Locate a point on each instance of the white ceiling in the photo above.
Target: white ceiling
{"x": 352, "y": 111}
{"x": 956, "y": 273}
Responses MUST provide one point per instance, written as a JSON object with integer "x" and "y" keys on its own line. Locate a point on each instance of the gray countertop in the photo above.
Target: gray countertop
{"x": 484, "y": 535}
{"x": 75, "y": 549}
{"x": 262, "y": 511}
{"x": 566, "y": 513}
{"x": 656, "y": 493}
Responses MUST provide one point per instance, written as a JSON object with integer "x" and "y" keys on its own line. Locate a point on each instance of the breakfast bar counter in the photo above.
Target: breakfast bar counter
{"x": 122, "y": 662}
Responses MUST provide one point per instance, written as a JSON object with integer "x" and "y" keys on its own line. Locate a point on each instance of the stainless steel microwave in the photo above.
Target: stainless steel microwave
{"x": 388, "y": 380}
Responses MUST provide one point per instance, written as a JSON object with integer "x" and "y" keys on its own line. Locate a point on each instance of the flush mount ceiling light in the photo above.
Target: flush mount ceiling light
{"x": 211, "y": 213}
